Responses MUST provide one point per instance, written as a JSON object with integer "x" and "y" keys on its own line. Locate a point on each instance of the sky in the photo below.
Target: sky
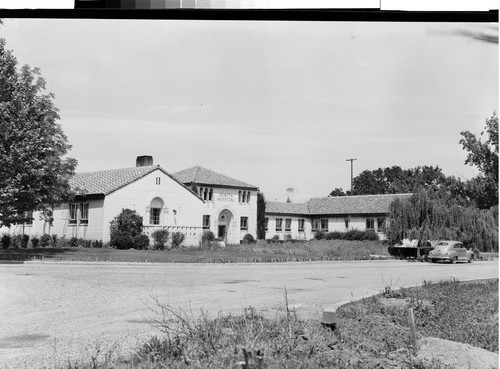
{"x": 274, "y": 104}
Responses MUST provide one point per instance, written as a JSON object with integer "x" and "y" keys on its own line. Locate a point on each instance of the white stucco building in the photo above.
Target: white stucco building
{"x": 191, "y": 201}
{"x": 328, "y": 214}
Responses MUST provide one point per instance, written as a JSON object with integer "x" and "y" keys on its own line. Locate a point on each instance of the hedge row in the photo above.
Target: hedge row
{"x": 19, "y": 241}
{"x": 352, "y": 235}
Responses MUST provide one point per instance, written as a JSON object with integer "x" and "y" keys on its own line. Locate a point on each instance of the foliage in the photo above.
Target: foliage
{"x": 33, "y": 171}
{"x": 422, "y": 218}
{"x": 337, "y": 192}
{"x": 261, "y": 216}
{"x": 122, "y": 240}
{"x": 248, "y": 239}
{"x": 483, "y": 155}
{"x": 34, "y": 242}
{"x": 319, "y": 235}
{"x": 6, "y": 241}
{"x": 207, "y": 237}
{"x": 128, "y": 221}
{"x": 177, "y": 239}
{"x": 73, "y": 242}
{"x": 141, "y": 242}
{"x": 97, "y": 244}
{"x": 160, "y": 238}
{"x": 45, "y": 240}
{"x": 276, "y": 237}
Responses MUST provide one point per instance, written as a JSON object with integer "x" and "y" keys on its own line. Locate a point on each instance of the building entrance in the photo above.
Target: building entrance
{"x": 224, "y": 226}
{"x": 222, "y": 232}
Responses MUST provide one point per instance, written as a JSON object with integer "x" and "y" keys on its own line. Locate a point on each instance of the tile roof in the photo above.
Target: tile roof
{"x": 200, "y": 175}
{"x": 363, "y": 204}
{"x": 273, "y": 207}
{"x": 107, "y": 181}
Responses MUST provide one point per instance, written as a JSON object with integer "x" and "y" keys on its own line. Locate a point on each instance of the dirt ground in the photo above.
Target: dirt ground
{"x": 55, "y": 312}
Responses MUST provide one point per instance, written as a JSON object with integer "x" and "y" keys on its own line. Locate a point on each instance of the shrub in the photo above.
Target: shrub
{"x": 160, "y": 238}
{"x": 370, "y": 236}
{"x": 122, "y": 240}
{"x": 97, "y": 244}
{"x": 5, "y": 241}
{"x": 34, "y": 242}
{"x": 141, "y": 242}
{"x": 333, "y": 235}
{"x": 319, "y": 235}
{"x": 288, "y": 237}
{"x": 61, "y": 242}
{"x": 276, "y": 237}
{"x": 45, "y": 240}
{"x": 208, "y": 236}
{"x": 127, "y": 221}
{"x": 73, "y": 242}
{"x": 177, "y": 239}
{"x": 54, "y": 239}
{"x": 16, "y": 241}
{"x": 248, "y": 238}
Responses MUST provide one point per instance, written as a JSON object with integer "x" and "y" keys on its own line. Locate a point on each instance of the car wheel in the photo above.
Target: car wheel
{"x": 470, "y": 259}
{"x": 453, "y": 260}
{"x": 434, "y": 260}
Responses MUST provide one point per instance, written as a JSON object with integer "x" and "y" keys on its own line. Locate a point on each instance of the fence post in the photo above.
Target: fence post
{"x": 413, "y": 332}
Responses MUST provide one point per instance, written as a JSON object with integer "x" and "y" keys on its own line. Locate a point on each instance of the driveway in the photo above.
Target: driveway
{"x": 50, "y": 312}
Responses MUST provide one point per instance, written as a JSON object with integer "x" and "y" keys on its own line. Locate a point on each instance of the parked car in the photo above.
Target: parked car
{"x": 451, "y": 251}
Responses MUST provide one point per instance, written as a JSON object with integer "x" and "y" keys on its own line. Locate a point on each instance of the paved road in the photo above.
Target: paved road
{"x": 52, "y": 311}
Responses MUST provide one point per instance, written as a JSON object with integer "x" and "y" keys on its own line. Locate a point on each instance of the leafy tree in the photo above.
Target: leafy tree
{"x": 261, "y": 216}
{"x": 128, "y": 221}
{"x": 337, "y": 192}
{"x": 33, "y": 171}
{"x": 483, "y": 155}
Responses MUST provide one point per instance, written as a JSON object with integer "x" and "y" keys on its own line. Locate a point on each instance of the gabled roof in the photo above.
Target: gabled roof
{"x": 363, "y": 204}
{"x": 105, "y": 182}
{"x": 201, "y": 176}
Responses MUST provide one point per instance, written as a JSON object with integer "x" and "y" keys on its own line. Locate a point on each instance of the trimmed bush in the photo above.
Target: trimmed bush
{"x": 275, "y": 238}
{"x": 73, "y": 242}
{"x": 6, "y": 241}
{"x": 370, "y": 236}
{"x": 319, "y": 235}
{"x": 45, "y": 240}
{"x": 248, "y": 238}
{"x": 177, "y": 239}
{"x": 208, "y": 236}
{"x": 34, "y": 242}
{"x": 97, "y": 244}
{"x": 122, "y": 240}
{"x": 333, "y": 235}
{"x": 160, "y": 238}
{"x": 141, "y": 242}
{"x": 61, "y": 242}
{"x": 54, "y": 239}
{"x": 17, "y": 241}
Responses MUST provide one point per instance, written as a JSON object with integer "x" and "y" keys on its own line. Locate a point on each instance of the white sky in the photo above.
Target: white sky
{"x": 274, "y": 104}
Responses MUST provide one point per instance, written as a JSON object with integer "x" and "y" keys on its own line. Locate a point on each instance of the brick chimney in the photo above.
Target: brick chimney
{"x": 290, "y": 194}
{"x": 144, "y": 161}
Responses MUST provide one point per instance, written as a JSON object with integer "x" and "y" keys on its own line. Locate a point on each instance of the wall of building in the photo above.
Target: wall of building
{"x": 231, "y": 199}
{"x": 181, "y": 211}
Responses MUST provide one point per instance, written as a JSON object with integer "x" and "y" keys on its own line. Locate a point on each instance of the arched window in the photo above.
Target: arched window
{"x": 244, "y": 196}
{"x": 210, "y": 193}
{"x": 205, "y": 194}
{"x": 239, "y": 196}
{"x": 155, "y": 211}
{"x": 248, "y": 196}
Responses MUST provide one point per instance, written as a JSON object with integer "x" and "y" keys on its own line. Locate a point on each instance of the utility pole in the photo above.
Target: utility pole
{"x": 351, "y": 160}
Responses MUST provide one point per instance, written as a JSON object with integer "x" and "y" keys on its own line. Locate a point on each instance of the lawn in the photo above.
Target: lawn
{"x": 368, "y": 333}
{"x": 259, "y": 252}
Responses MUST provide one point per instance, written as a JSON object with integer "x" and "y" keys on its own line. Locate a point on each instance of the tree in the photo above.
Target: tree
{"x": 337, "y": 192}
{"x": 261, "y": 216}
{"x": 34, "y": 174}
{"x": 483, "y": 155}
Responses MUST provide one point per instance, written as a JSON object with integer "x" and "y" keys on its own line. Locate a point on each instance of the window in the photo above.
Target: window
{"x": 73, "y": 213}
{"x": 370, "y": 224}
{"x": 279, "y": 224}
{"x": 324, "y": 225}
{"x": 158, "y": 180}
{"x": 29, "y": 215}
{"x": 244, "y": 196}
{"x": 380, "y": 224}
{"x": 244, "y": 223}
{"x": 346, "y": 223}
{"x": 155, "y": 211}
{"x": 288, "y": 224}
{"x": 248, "y": 196}
{"x": 206, "y": 222}
{"x": 210, "y": 194}
{"x": 315, "y": 224}
{"x": 239, "y": 196}
{"x": 84, "y": 213}
{"x": 205, "y": 194}
{"x": 301, "y": 225}
{"x": 266, "y": 222}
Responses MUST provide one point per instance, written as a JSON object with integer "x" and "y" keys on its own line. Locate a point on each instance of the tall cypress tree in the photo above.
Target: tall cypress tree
{"x": 261, "y": 216}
